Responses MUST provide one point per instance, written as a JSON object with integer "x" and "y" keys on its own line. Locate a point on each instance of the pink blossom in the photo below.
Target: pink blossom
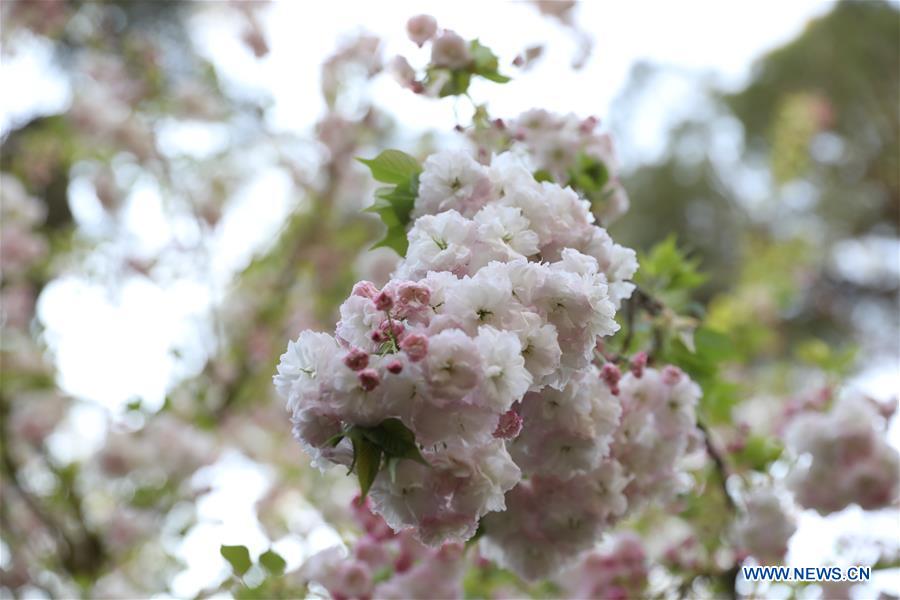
{"x": 421, "y": 28}
{"x": 638, "y": 363}
{"x": 366, "y": 289}
{"x": 509, "y": 426}
{"x": 672, "y": 375}
{"x": 415, "y": 345}
{"x": 392, "y": 329}
{"x": 356, "y": 359}
{"x": 450, "y": 50}
{"x": 610, "y": 374}
{"x": 369, "y": 379}
{"x": 413, "y": 296}
{"x": 383, "y": 301}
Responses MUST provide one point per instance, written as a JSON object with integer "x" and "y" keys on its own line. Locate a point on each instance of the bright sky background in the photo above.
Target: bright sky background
{"x": 112, "y": 347}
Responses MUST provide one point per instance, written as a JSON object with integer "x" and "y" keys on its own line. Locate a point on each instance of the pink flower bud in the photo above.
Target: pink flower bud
{"x": 638, "y": 362}
{"x": 366, "y": 289}
{"x": 413, "y": 294}
{"x": 421, "y": 28}
{"x": 392, "y": 328}
{"x": 888, "y": 408}
{"x": 671, "y": 375}
{"x": 395, "y": 367}
{"x": 403, "y": 562}
{"x": 450, "y": 51}
{"x": 510, "y": 425}
{"x": 356, "y": 360}
{"x": 415, "y": 345}
{"x": 610, "y": 374}
{"x": 369, "y": 379}
{"x": 588, "y": 124}
{"x": 378, "y": 337}
{"x": 383, "y": 301}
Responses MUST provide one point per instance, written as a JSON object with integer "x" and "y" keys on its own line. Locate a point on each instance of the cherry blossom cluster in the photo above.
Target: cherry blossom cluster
{"x": 594, "y": 452}
{"x": 453, "y": 61}
{"x": 569, "y": 149}
{"x": 657, "y": 433}
{"x": 166, "y": 443}
{"x": 483, "y": 346}
{"x": 765, "y": 527}
{"x": 386, "y": 564}
{"x": 506, "y": 215}
{"x": 617, "y": 572}
{"x": 844, "y": 458}
{"x": 549, "y": 521}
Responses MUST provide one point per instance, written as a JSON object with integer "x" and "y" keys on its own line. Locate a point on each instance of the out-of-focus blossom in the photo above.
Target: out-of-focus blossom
{"x": 765, "y": 527}
{"x": 450, "y": 50}
{"x": 421, "y": 28}
{"x": 384, "y": 564}
{"x": 618, "y": 572}
{"x": 845, "y": 458}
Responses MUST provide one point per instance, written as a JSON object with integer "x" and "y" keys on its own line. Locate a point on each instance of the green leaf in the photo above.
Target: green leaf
{"x": 483, "y": 58}
{"x": 272, "y": 562}
{"x": 485, "y": 62}
{"x": 758, "y": 453}
{"x": 457, "y": 85}
{"x": 718, "y": 400}
{"x": 335, "y": 439}
{"x": 398, "y": 430}
{"x": 542, "y": 175}
{"x": 395, "y": 439}
{"x": 589, "y": 175}
{"x": 401, "y": 198}
{"x": 713, "y": 344}
{"x": 394, "y": 204}
{"x": 367, "y": 458}
{"x": 817, "y": 352}
{"x": 391, "y": 441}
{"x": 496, "y": 77}
{"x": 148, "y": 496}
{"x": 669, "y": 275}
{"x": 238, "y": 557}
{"x": 392, "y": 166}
{"x": 710, "y": 348}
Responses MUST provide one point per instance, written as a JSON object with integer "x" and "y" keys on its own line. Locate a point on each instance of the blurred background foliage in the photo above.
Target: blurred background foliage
{"x": 816, "y": 165}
